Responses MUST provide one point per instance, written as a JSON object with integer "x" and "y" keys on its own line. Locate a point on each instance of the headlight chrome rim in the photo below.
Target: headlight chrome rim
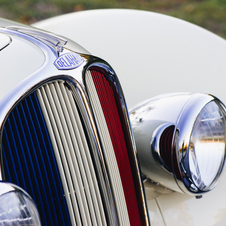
{"x": 18, "y": 206}
{"x": 181, "y": 144}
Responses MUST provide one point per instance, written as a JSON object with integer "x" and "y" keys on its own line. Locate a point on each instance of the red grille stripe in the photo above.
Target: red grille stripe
{"x": 108, "y": 103}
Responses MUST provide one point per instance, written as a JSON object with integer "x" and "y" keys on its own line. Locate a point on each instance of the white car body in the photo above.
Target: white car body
{"x": 154, "y": 54}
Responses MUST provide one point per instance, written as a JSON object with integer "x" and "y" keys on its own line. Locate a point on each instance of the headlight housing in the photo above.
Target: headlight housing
{"x": 182, "y": 137}
{"x": 16, "y": 207}
{"x": 201, "y": 144}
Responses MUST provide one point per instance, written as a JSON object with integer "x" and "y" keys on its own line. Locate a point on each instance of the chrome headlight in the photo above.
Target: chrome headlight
{"x": 207, "y": 146}
{"x": 16, "y": 207}
{"x": 181, "y": 136}
{"x": 201, "y": 144}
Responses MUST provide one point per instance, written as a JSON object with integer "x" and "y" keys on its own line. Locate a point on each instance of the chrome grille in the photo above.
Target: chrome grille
{"x": 79, "y": 176}
{"x": 72, "y": 155}
{"x": 48, "y": 151}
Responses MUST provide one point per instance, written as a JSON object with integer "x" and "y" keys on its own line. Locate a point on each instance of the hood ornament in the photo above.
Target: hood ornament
{"x": 55, "y": 42}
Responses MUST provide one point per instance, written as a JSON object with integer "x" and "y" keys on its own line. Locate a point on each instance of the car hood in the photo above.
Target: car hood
{"x": 151, "y": 53}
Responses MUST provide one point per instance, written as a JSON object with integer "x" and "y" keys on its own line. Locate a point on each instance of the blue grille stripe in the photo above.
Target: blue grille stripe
{"x": 6, "y": 164}
{"x": 39, "y": 163}
{"x": 25, "y": 150}
{"x": 7, "y": 172}
{"x": 30, "y": 150}
{"x": 20, "y": 135}
{"x": 20, "y": 156}
{"x": 10, "y": 151}
{"x": 12, "y": 158}
{"x": 29, "y": 161}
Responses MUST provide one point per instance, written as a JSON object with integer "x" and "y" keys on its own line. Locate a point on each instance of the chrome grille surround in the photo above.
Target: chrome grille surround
{"x": 63, "y": 99}
{"x": 115, "y": 89}
{"x": 85, "y": 183}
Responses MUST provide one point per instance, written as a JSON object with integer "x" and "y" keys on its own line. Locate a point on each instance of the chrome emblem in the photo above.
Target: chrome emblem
{"x": 68, "y": 61}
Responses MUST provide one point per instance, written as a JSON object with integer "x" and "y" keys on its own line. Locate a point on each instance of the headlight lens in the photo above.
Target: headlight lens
{"x": 16, "y": 207}
{"x": 207, "y": 146}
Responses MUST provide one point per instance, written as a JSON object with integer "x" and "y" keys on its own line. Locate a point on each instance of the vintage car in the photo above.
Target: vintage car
{"x": 68, "y": 140}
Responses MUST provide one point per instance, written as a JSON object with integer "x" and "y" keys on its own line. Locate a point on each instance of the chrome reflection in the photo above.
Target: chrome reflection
{"x": 17, "y": 207}
{"x": 181, "y": 137}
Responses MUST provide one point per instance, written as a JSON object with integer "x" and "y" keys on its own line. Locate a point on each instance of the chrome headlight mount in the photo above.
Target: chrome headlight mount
{"x": 181, "y": 137}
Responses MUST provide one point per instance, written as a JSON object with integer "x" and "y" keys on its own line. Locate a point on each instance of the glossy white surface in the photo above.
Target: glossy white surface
{"x": 18, "y": 60}
{"x": 4, "y": 41}
{"x": 151, "y": 53}
{"x": 154, "y": 213}
{"x": 179, "y": 209}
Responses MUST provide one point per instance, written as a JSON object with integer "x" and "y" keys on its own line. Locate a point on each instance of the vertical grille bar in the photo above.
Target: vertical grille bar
{"x": 86, "y": 158}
